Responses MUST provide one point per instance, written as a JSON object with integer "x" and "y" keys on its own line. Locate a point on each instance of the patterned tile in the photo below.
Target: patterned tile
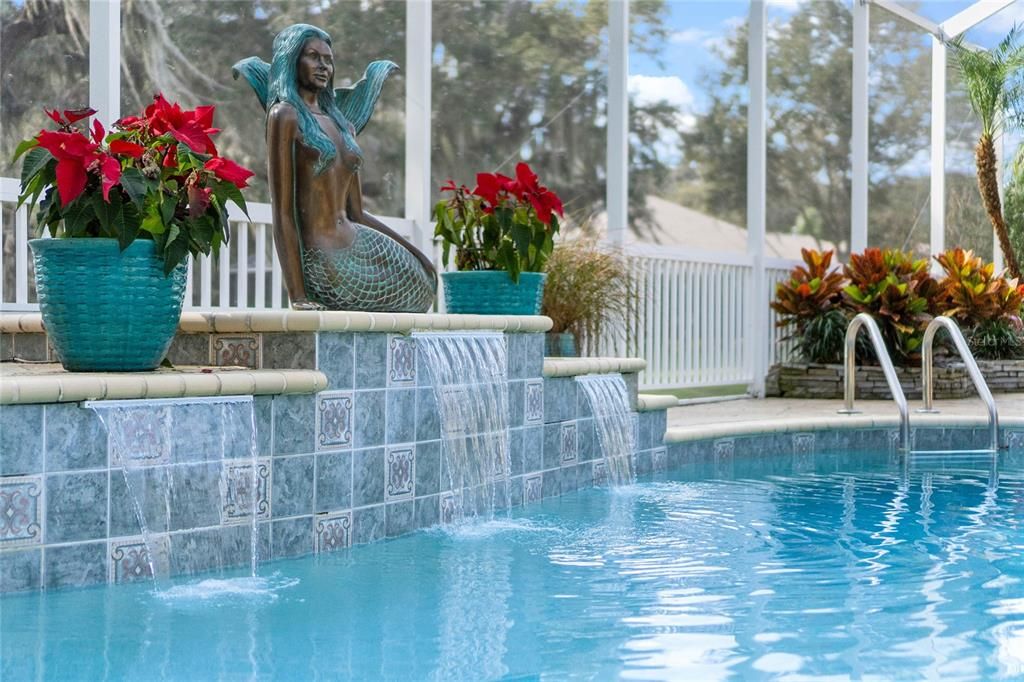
{"x": 803, "y": 452}
{"x": 451, "y": 507}
{"x": 532, "y": 489}
{"x": 334, "y": 420}
{"x": 400, "y": 462}
{"x": 569, "y": 445}
{"x": 724, "y": 447}
{"x": 237, "y": 491}
{"x": 600, "y": 475}
{"x": 332, "y": 531}
{"x": 21, "y": 511}
{"x": 132, "y": 560}
{"x": 236, "y": 350}
{"x": 141, "y": 438}
{"x": 723, "y": 450}
{"x": 401, "y": 360}
{"x": 533, "y": 412}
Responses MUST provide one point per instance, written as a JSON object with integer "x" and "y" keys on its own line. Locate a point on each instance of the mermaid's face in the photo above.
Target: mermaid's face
{"x": 316, "y": 65}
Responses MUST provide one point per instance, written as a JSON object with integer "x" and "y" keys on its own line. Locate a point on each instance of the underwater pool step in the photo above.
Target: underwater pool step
{"x": 26, "y": 383}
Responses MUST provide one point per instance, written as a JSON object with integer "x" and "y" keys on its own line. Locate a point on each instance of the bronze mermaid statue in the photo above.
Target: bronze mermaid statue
{"x": 334, "y": 255}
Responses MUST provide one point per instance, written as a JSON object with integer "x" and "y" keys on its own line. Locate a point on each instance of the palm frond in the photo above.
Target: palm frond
{"x": 994, "y": 81}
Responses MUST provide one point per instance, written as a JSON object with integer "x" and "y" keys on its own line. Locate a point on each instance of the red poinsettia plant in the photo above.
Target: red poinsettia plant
{"x": 157, "y": 176}
{"x": 503, "y": 224}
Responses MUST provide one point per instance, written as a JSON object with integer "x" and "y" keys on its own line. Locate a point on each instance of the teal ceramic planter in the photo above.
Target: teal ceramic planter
{"x": 107, "y": 310}
{"x": 492, "y": 292}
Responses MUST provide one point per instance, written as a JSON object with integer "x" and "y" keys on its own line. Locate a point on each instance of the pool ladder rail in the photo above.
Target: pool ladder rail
{"x": 863, "y": 320}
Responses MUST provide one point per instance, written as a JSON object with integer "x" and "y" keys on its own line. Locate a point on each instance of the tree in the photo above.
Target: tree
{"x": 995, "y": 87}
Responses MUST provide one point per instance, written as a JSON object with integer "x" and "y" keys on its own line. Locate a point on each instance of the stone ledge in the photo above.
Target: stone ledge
{"x": 647, "y": 402}
{"x": 270, "y": 321}
{"x": 49, "y": 383}
{"x": 571, "y": 367}
{"x": 839, "y": 421}
{"x": 809, "y": 380}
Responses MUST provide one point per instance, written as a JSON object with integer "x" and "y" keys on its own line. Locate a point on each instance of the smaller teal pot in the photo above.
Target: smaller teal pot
{"x": 107, "y": 310}
{"x": 492, "y": 292}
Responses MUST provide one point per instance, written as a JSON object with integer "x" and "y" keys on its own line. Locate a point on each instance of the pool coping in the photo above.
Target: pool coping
{"x": 571, "y": 367}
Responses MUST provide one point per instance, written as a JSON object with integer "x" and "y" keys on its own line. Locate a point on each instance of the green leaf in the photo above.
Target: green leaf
{"x": 77, "y": 217}
{"x": 132, "y": 223}
{"x": 168, "y": 207}
{"x": 226, "y": 190}
{"x": 34, "y": 162}
{"x": 153, "y": 222}
{"x": 137, "y": 185}
{"x": 24, "y": 147}
{"x": 176, "y": 249}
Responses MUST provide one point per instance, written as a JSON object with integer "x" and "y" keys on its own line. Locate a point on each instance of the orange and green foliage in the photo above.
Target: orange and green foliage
{"x": 972, "y": 292}
{"x": 897, "y": 291}
{"x": 809, "y": 302}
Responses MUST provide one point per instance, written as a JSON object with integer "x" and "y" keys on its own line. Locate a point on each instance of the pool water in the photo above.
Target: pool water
{"x": 852, "y": 569}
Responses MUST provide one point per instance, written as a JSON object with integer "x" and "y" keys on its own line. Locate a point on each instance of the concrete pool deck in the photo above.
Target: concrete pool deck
{"x": 750, "y": 415}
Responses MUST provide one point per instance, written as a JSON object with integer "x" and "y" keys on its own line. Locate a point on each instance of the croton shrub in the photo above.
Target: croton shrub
{"x": 818, "y": 300}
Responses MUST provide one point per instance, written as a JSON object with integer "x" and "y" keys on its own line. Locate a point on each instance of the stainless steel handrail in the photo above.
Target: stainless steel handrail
{"x": 850, "y": 372}
{"x": 927, "y": 375}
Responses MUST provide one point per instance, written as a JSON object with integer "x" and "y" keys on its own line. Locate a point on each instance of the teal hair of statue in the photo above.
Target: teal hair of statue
{"x": 283, "y": 86}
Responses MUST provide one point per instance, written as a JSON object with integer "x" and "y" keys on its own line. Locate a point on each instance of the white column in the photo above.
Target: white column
{"x": 859, "y": 134}
{"x": 419, "y": 192}
{"x": 758, "y": 335}
{"x": 937, "y": 240}
{"x": 105, "y": 59}
{"x": 618, "y": 120}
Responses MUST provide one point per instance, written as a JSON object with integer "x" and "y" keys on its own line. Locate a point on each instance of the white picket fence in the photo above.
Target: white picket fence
{"x": 691, "y": 323}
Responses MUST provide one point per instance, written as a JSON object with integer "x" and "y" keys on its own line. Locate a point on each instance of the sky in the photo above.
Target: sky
{"x": 697, "y": 25}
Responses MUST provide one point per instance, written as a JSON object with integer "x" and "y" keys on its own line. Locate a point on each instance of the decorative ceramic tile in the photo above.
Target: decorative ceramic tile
{"x": 451, "y": 507}
{"x": 401, "y": 360}
{"x": 401, "y": 473}
{"x": 803, "y": 452}
{"x": 532, "y": 489}
{"x": 1015, "y": 440}
{"x": 498, "y": 444}
{"x": 236, "y": 350}
{"x": 334, "y": 420}
{"x": 132, "y": 560}
{"x": 659, "y": 460}
{"x": 332, "y": 531}
{"x": 724, "y": 448}
{"x": 533, "y": 413}
{"x": 569, "y": 446}
{"x": 139, "y": 436}
{"x": 600, "y": 475}
{"x": 21, "y": 511}
{"x": 453, "y": 400}
{"x": 237, "y": 491}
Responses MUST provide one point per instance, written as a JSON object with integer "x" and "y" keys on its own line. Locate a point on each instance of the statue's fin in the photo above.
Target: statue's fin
{"x": 257, "y": 72}
{"x": 358, "y": 101}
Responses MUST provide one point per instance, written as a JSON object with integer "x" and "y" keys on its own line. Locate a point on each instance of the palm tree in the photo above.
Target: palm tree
{"x": 994, "y": 80}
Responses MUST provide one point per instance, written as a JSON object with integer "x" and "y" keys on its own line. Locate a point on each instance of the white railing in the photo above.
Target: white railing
{"x": 691, "y": 323}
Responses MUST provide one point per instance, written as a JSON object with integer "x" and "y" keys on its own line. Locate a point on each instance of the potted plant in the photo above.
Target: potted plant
{"x": 502, "y": 233}
{"x": 810, "y": 302}
{"x": 589, "y": 294}
{"x": 126, "y": 209}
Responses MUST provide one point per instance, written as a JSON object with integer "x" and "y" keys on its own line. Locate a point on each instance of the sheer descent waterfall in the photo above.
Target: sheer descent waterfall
{"x": 469, "y": 373}
{"x": 609, "y": 401}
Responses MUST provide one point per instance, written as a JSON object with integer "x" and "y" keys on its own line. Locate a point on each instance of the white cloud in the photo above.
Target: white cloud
{"x": 788, "y": 5}
{"x": 1002, "y": 22}
{"x": 651, "y": 89}
{"x": 690, "y": 36}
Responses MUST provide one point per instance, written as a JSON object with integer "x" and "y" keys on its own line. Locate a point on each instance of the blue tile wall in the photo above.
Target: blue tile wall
{"x": 428, "y": 421}
{"x": 76, "y": 507}
{"x": 75, "y": 438}
{"x": 333, "y": 481}
{"x": 294, "y": 424}
{"x": 75, "y": 565}
{"x": 368, "y": 418}
{"x": 559, "y": 399}
{"x": 533, "y": 449}
{"x": 367, "y": 477}
{"x": 371, "y": 357}
{"x": 335, "y": 358}
{"x": 516, "y": 403}
{"x": 21, "y": 570}
{"x": 428, "y": 468}
{"x": 292, "y": 489}
{"x": 427, "y": 512}
{"x": 146, "y": 491}
{"x": 195, "y": 497}
{"x": 291, "y": 537}
{"x": 367, "y": 524}
{"x": 21, "y": 439}
{"x": 401, "y": 415}
{"x": 263, "y": 406}
{"x": 398, "y": 518}
{"x": 289, "y": 351}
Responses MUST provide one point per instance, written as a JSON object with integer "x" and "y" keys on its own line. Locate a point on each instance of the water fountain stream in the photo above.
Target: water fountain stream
{"x": 609, "y": 401}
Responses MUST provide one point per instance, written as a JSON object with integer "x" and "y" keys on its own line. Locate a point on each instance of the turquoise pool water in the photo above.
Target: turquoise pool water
{"x": 849, "y": 569}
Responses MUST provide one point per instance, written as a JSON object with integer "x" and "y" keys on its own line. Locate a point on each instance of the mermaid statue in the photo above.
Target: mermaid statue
{"x": 334, "y": 255}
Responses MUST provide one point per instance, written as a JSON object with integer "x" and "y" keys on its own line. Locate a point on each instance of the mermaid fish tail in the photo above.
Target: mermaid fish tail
{"x": 375, "y": 273}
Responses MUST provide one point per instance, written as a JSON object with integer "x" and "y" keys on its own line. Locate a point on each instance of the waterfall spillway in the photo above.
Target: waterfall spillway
{"x": 207, "y": 490}
{"x": 609, "y": 401}
{"x": 469, "y": 374}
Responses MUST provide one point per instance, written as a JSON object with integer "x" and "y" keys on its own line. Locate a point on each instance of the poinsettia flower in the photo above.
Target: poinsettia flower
{"x": 76, "y": 115}
{"x": 110, "y": 174}
{"x": 449, "y": 186}
{"x": 74, "y": 153}
{"x": 490, "y": 187}
{"x": 97, "y": 131}
{"x": 54, "y": 116}
{"x": 191, "y": 128}
{"x": 126, "y": 148}
{"x": 230, "y": 171}
{"x": 171, "y": 158}
{"x": 198, "y": 199}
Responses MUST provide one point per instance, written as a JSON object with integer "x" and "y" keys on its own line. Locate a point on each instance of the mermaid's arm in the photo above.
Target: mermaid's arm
{"x": 282, "y": 132}
{"x": 357, "y": 214}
